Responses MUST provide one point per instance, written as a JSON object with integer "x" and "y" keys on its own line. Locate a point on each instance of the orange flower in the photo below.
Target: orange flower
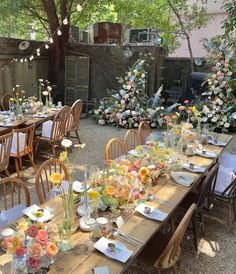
{"x": 36, "y": 251}
{"x": 144, "y": 171}
{"x": 144, "y": 179}
{"x": 105, "y": 192}
{"x": 190, "y": 135}
{"x": 124, "y": 193}
{"x": 56, "y": 178}
{"x": 177, "y": 132}
{"x": 14, "y": 244}
{"x": 110, "y": 190}
{"x": 51, "y": 249}
{"x": 129, "y": 177}
{"x": 181, "y": 107}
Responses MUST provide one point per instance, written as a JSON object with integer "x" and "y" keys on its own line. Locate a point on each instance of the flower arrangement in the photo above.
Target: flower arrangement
{"x": 33, "y": 243}
{"x": 45, "y": 89}
{"x": 17, "y": 99}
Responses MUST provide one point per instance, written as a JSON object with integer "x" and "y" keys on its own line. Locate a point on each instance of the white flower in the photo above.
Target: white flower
{"x": 96, "y": 111}
{"x": 143, "y": 75}
{"x": 66, "y": 143}
{"x": 153, "y": 124}
{"x": 119, "y": 115}
{"x": 229, "y": 73}
{"x": 49, "y": 88}
{"x": 162, "y": 108}
{"x": 122, "y": 102}
{"x": 80, "y": 145}
{"x": 214, "y": 119}
{"x": 226, "y": 125}
{"x": 135, "y": 124}
{"x": 129, "y": 73}
{"x": 204, "y": 119}
{"x": 45, "y": 93}
{"x": 40, "y": 80}
{"x": 101, "y": 122}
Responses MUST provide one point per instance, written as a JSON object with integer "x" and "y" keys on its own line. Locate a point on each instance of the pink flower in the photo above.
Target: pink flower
{"x": 33, "y": 262}
{"x": 129, "y": 87}
{"x": 32, "y": 231}
{"x": 36, "y": 251}
{"x": 42, "y": 236}
{"x": 218, "y": 72}
{"x": 21, "y": 251}
{"x": 167, "y": 118}
{"x": 186, "y": 101}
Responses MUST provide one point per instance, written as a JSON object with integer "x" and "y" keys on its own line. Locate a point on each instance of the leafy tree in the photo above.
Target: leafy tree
{"x": 230, "y": 23}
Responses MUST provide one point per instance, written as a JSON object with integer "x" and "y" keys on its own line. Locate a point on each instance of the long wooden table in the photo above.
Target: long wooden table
{"x": 136, "y": 225}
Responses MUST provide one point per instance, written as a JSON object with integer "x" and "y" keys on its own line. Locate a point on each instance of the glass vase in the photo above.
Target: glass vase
{"x": 18, "y": 265}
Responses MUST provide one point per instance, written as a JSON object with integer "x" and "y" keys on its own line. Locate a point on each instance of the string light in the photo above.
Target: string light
{"x": 59, "y": 33}
{"x": 46, "y": 46}
{"x": 21, "y": 60}
{"x": 26, "y": 60}
{"x": 65, "y": 21}
{"x": 51, "y": 40}
{"x": 79, "y": 8}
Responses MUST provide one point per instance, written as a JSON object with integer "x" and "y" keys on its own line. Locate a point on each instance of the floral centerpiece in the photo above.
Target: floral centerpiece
{"x": 45, "y": 89}
{"x": 17, "y": 99}
{"x": 31, "y": 246}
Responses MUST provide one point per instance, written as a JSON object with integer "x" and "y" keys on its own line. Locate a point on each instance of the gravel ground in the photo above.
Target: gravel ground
{"x": 217, "y": 247}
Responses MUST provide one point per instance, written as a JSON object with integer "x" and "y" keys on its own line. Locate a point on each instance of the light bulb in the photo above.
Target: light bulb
{"x": 26, "y": 60}
{"x": 21, "y": 60}
{"x": 65, "y": 21}
{"x": 79, "y": 7}
{"x": 46, "y": 46}
{"x": 31, "y": 57}
{"x": 50, "y": 40}
{"x": 38, "y": 53}
{"x": 59, "y": 33}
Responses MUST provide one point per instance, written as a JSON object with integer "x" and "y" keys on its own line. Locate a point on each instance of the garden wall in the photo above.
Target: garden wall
{"x": 25, "y": 74}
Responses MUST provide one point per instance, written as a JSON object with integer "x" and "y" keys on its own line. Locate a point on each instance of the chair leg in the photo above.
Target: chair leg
{"x": 53, "y": 150}
{"x": 201, "y": 223}
{"x": 20, "y": 163}
{"x": 17, "y": 167}
{"x": 195, "y": 232}
{"x": 36, "y": 146}
{"x": 7, "y": 172}
{"x": 32, "y": 161}
{"x": 173, "y": 269}
{"x": 77, "y": 134}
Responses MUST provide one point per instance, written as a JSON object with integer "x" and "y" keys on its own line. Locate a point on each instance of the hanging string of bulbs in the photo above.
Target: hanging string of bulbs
{"x": 50, "y": 41}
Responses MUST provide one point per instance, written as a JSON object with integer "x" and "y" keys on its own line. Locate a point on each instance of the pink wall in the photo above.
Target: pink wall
{"x": 213, "y": 28}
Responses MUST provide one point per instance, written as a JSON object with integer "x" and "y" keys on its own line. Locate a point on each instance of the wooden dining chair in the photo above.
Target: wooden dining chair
{"x": 144, "y": 130}
{"x": 114, "y": 149}
{"x": 5, "y": 149}
{"x": 43, "y": 184}
{"x": 22, "y": 145}
{"x": 203, "y": 199}
{"x": 11, "y": 192}
{"x": 229, "y": 196}
{"x": 163, "y": 253}
{"x": 73, "y": 122}
{"x": 131, "y": 139}
{"x": 5, "y": 102}
{"x": 57, "y": 130}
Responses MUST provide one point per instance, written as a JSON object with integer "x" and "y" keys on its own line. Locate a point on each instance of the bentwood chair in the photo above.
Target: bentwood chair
{"x": 144, "y": 131}
{"x": 229, "y": 196}
{"x": 11, "y": 192}
{"x": 43, "y": 184}
{"x": 57, "y": 130}
{"x": 163, "y": 253}
{"x": 73, "y": 123}
{"x": 22, "y": 145}
{"x": 114, "y": 149}
{"x": 203, "y": 200}
{"x": 5, "y": 148}
{"x": 131, "y": 139}
{"x": 5, "y": 102}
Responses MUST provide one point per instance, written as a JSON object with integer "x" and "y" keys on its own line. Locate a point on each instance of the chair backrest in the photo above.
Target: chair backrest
{"x": 5, "y": 102}
{"x": 172, "y": 249}
{"x": 207, "y": 188}
{"x": 114, "y": 149}
{"x": 144, "y": 131}
{"x": 59, "y": 124}
{"x": 11, "y": 192}
{"x": 5, "y": 149}
{"x": 230, "y": 190}
{"x": 22, "y": 142}
{"x": 43, "y": 184}
{"x": 131, "y": 139}
{"x": 75, "y": 113}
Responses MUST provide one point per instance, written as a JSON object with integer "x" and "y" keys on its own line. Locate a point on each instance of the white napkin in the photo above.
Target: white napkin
{"x": 22, "y": 142}
{"x": 198, "y": 169}
{"x": 121, "y": 253}
{"x": 155, "y": 213}
{"x": 217, "y": 143}
{"x": 47, "y": 128}
{"x": 29, "y": 211}
{"x": 11, "y": 215}
{"x": 208, "y": 154}
{"x": 183, "y": 178}
{"x": 101, "y": 270}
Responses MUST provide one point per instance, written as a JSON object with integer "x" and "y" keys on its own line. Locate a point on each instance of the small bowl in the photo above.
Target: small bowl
{"x": 191, "y": 165}
{"x": 204, "y": 152}
{"x": 111, "y": 247}
{"x": 147, "y": 210}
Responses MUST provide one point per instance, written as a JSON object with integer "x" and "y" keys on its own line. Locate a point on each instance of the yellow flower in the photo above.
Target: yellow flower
{"x": 93, "y": 194}
{"x": 63, "y": 156}
{"x": 110, "y": 190}
{"x": 177, "y": 132}
{"x": 174, "y": 117}
{"x": 23, "y": 225}
{"x": 56, "y": 178}
{"x": 144, "y": 171}
{"x": 144, "y": 179}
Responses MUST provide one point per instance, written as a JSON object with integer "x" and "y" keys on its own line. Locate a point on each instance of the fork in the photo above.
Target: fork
{"x": 162, "y": 201}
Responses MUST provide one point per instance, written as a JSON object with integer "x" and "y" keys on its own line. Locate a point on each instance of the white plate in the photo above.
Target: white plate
{"x": 155, "y": 213}
{"x": 198, "y": 169}
{"x": 183, "y": 178}
{"x": 78, "y": 186}
{"x": 208, "y": 154}
{"x": 217, "y": 143}
{"x": 29, "y": 211}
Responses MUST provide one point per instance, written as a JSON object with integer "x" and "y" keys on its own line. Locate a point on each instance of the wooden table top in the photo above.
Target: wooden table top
{"x": 136, "y": 225}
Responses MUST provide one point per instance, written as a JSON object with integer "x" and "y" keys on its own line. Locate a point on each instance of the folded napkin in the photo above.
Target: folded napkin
{"x": 47, "y": 128}
{"x": 155, "y": 213}
{"x": 29, "y": 211}
{"x": 217, "y": 143}
{"x": 198, "y": 169}
{"x": 22, "y": 142}
{"x": 208, "y": 154}
{"x": 121, "y": 253}
{"x": 101, "y": 270}
{"x": 183, "y": 178}
{"x": 11, "y": 215}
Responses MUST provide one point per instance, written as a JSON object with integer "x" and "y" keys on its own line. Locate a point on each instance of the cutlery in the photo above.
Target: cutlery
{"x": 128, "y": 240}
{"x": 131, "y": 237}
{"x": 161, "y": 201}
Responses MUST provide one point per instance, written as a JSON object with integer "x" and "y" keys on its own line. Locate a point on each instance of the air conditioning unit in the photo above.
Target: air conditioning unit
{"x": 74, "y": 34}
{"x": 84, "y": 36}
{"x": 144, "y": 35}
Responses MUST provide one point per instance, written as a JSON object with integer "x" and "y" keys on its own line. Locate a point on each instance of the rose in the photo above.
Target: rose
{"x": 42, "y": 236}
{"x": 66, "y": 143}
{"x": 51, "y": 249}
{"x": 36, "y": 251}
{"x": 33, "y": 262}
{"x": 186, "y": 101}
{"x": 21, "y": 251}
{"x": 32, "y": 231}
